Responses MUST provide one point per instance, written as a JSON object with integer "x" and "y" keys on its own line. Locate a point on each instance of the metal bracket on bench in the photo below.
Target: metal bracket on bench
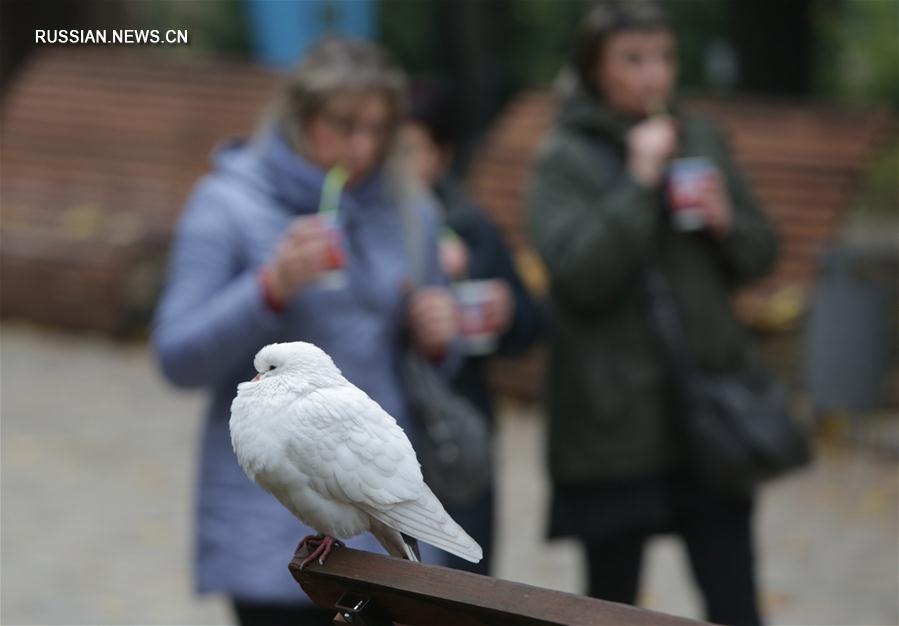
{"x": 361, "y": 610}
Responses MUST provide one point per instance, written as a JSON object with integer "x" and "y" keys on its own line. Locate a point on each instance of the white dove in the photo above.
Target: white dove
{"x": 335, "y": 458}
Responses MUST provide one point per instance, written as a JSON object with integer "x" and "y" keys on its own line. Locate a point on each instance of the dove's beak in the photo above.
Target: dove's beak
{"x": 256, "y": 377}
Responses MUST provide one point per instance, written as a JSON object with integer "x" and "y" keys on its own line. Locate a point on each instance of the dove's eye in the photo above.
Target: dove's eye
{"x": 271, "y": 367}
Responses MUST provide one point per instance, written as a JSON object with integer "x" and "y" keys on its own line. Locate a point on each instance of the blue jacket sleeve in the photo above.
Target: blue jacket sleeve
{"x": 212, "y": 313}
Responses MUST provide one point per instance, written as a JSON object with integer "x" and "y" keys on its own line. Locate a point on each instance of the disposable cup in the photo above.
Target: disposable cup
{"x": 477, "y": 336}
{"x": 334, "y": 276}
{"x": 685, "y": 180}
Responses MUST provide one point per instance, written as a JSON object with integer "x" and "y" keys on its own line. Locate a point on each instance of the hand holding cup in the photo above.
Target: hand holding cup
{"x": 499, "y": 306}
{"x": 301, "y": 257}
{"x": 649, "y": 146}
{"x": 433, "y": 320}
{"x": 714, "y": 203}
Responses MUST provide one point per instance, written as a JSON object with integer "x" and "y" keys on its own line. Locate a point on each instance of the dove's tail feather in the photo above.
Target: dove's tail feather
{"x": 427, "y": 520}
{"x": 396, "y": 543}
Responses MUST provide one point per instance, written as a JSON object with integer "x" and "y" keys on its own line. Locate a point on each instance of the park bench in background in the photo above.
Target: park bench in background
{"x": 388, "y": 590}
{"x": 101, "y": 148}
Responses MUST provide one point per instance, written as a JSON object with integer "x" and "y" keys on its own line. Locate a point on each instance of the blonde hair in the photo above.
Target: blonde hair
{"x": 338, "y": 65}
{"x": 333, "y": 66}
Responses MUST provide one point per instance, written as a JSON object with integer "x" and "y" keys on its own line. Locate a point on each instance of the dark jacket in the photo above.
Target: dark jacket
{"x": 596, "y": 228}
{"x": 488, "y": 258}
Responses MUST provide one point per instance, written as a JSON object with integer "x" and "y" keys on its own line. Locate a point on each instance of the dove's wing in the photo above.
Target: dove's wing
{"x": 362, "y": 456}
{"x": 359, "y": 454}
{"x": 427, "y": 520}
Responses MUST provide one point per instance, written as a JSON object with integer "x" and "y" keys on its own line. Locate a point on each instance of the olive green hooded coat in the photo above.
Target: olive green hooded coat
{"x": 596, "y": 229}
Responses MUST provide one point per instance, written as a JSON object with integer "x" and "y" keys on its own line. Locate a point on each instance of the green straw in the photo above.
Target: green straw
{"x": 335, "y": 180}
{"x": 448, "y": 234}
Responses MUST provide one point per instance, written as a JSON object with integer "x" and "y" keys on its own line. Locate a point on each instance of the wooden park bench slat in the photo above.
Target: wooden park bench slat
{"x": 418, "y": 594}
{"x": 130, "y": 132}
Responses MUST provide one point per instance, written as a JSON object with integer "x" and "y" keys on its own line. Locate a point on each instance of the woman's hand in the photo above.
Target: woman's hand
{"x": 454, "y": 257}
{"x": 433, "y": 320}
{"x": 300, "y": 258}
{"x": 649, "y": 146}
{"x": 714, "y": 202}
{"x": 499, "y": 307}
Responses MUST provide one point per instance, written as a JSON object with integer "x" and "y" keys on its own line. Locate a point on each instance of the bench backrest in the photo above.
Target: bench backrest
{"x": 101, "y": 148}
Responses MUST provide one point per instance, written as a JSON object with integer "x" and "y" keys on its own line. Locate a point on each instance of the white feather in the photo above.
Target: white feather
{"x": 333, "y": 456}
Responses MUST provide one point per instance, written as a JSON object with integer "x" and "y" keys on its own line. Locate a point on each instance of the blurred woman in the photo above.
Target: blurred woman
{"x": 253, "y": 263}
{"x": 599, "y": 216}
{"x": 471, "y": 250}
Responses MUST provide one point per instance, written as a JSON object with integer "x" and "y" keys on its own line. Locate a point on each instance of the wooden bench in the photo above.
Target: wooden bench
{"x": 101, "y": 148}
{"x": 374, "y": 590}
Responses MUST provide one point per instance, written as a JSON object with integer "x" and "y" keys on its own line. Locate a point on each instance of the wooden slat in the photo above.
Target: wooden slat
{"x": 419, "y": 594}
{"x": 114, "y": 133}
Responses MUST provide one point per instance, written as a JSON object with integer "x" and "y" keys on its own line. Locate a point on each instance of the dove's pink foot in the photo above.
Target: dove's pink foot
{"x": 308, "y": 540}
{"x": 321, "y": 551}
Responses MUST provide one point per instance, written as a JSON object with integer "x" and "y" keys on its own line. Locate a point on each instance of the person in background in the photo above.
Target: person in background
{"x": 254, "y": 261}
{"x": 472, "y": 249}
{"x": 599, "y": 215}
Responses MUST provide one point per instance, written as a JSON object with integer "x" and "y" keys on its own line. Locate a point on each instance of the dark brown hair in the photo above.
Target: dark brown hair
{"x": 432, "y": 105}
{"x": 607, "y": 18}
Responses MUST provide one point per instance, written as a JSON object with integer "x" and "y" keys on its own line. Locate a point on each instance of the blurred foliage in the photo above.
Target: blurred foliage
{"x": 216, "y": 27}
{"x": 412, "y": 47}
{"x": 533, "y": 37}
{"x": 539, "y": 39}
{"x": 878, "y": 193}
{"x": 536, "y": 37}
{"x": 698, "y": 23}
{"x": 858, "y": 51}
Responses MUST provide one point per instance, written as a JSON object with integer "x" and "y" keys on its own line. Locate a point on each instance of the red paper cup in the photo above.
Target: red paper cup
{"x": 685, "y": 180}
{"x": 335, "y": 254}
{"x": 472, "y": 297}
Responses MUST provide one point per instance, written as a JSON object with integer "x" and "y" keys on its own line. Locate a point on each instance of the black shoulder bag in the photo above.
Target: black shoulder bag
{"x": 737, "y": 427}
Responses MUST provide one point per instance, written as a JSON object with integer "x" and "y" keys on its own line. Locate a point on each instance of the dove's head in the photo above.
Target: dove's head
{"x": 298, "y": 364}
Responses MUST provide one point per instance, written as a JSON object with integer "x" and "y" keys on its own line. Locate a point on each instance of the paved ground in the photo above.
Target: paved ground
{"x": 97, "y": 459}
